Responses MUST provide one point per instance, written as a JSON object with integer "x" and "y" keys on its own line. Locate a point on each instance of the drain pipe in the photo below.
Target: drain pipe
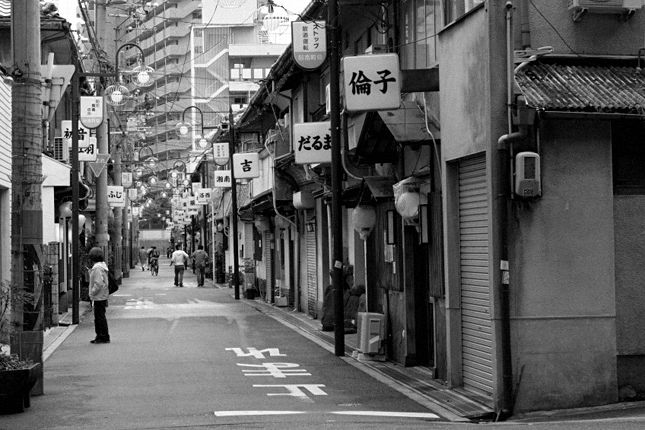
{"x": 504, "y": 179}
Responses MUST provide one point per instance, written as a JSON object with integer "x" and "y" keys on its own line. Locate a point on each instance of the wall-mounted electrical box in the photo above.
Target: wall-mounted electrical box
{"x": 527, "y": 174}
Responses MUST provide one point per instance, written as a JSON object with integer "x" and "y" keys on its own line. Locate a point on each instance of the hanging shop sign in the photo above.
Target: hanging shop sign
{"x": 220, "y": 153}
{"x": 309, "y": 41}
{"x": 126, "y": 179}
{"x": 115, "y": 196}
{"x": 246, "y": 165}
{"x": 91, "y": 111}
{"x": 204, "y": 196}
{"x": 371, "y": 82}
{"x": 312, "y": 142}
{"x": 133, "y": 194}
{"x": 222, "y": 179}
{"x": 87, "y": 146}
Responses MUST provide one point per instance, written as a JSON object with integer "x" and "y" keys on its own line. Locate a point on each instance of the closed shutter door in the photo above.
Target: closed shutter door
{"x": 312, "y": 277}
{"x": 476, "y": 325}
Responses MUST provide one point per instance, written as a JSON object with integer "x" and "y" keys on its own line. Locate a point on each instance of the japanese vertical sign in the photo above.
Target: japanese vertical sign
{"x": 91, "y": 111}
{"x": 115, "y": 196}
{"x": 220, "y": 153}
{"x": 246, "y": 165}
{"x": 222, "y": 179}
{"x": 87, "y": 149}
{"x": 312, "y": 142}
{"x": 133, "y": 193}
{"x": 309, "y": 42}
{"x": 126, "y": 179}
{"x": 372, "y": 82}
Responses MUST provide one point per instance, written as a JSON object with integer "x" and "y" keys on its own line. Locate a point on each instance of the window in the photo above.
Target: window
{"x": 456, "y": 8}
{"x": 197, "y": 14}
{"x": 420, "y": 20}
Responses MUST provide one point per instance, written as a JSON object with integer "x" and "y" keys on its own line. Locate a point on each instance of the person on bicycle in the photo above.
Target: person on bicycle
{"x": 153, "y": 260}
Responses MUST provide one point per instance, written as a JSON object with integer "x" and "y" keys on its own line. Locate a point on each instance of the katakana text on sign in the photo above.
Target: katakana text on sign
{"x": 372, "y": 82}
{"x": 309, "y": 43}
{"x": 312, "y": 142}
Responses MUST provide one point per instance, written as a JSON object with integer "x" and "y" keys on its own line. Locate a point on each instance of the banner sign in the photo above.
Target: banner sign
{"x": 87, "y": 145}
{"x": 372, "y": 82}
{"x": 126, "y": 179}
{"x": 115, "y": 196}
{"x": 91, "y": 111}
{"x": 246, "y": 165}
{"x": 222, "y": 179}
{"x": 220, "y": 153}
{"x": 309, "y": 41}
{"x": 133, "y": 193}
{"x": 204, "y": 196}
{"x": 312, "y": 142}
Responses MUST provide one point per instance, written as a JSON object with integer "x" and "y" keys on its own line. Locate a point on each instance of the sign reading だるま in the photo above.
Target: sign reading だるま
{"x": 312, "y": 142}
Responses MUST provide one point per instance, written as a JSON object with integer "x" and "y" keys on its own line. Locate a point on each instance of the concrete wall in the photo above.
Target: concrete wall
{"x": 562, "y": 274}
{"x": 595, "y": 34}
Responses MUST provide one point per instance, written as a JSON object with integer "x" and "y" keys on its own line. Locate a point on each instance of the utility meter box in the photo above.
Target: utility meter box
{"x": 371, "y": 332}
{"x": 527, "y": 174}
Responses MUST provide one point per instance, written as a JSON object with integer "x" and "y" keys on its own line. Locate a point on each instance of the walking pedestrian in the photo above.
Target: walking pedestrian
{"x": 143, "y": 258}
{"x": 179, "y": 258}
{"x": 199, "y": 259}
{"x": 99, "y": 292}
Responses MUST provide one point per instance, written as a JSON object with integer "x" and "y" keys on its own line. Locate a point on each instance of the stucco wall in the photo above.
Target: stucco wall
{"x": 562, "y": 274}
{"x": 595, "y": 34}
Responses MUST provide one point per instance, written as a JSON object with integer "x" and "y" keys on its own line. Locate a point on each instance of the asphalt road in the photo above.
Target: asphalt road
{"x": 195, "y": 358}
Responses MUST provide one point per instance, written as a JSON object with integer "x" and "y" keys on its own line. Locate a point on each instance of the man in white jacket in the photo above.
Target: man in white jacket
{"x": 99, "y": 293}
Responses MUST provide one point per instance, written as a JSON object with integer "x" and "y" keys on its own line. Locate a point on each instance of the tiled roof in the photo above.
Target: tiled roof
{"x": 606, "y": 89}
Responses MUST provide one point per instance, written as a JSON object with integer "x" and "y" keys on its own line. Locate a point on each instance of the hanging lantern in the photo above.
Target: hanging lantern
{"x": 407, "y": 204}
{"x": 363, "y": 219}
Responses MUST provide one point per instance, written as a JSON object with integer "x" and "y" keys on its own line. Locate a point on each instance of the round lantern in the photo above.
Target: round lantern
{"x": 407, "y": 204}
{"x": 363, "y": 219}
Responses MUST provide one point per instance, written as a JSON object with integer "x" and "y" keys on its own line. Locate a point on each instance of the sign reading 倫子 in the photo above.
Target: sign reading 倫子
{"x": 91, "y": 111}
{"x": 372, "y": 82}
{"x": 222, "y": 179}
{"x": 87, "y": 146}
{"x": 309, "y": 43}
{"x": 312, "y": 142}
{"x": 115, "y": 196}
{"x": 246, "y": 165}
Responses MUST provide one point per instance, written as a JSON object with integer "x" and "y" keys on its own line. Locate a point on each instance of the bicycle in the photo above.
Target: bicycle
{"x": 154, "y": 267}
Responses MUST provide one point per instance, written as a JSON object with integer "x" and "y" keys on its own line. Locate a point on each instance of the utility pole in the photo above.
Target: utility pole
{"x": 231, "y": 151}
{"x": 101, "y": 222}
{"x": 118, "y": 212}
{"x": 26, "y": 199}
{"x": 336, "y": 177}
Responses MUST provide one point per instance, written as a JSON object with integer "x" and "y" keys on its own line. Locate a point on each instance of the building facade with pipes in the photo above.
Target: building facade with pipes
{"x": 541, "y": 198}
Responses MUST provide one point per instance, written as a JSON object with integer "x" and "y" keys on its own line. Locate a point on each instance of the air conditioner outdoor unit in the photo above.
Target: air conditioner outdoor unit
{"x": 370, "y": 328}
{"x": 626, "y": 7}
{"x": 60, "y": 150}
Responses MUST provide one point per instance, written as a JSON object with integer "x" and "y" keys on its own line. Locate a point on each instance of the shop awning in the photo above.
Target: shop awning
{"x": 582, "y": 88}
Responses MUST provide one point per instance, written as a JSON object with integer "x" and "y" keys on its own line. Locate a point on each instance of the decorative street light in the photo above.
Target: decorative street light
{"x": 118, "y": 94}
{"x": 183, "y": 127}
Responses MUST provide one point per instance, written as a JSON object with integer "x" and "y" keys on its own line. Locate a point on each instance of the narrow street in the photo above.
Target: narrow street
{"x": 191, "y": 357}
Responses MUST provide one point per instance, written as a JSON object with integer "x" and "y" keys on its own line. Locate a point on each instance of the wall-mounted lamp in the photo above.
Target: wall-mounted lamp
{"x": 363, "y": 220}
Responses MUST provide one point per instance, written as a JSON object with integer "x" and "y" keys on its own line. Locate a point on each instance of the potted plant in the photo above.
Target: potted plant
{"x": 17, "y": 377}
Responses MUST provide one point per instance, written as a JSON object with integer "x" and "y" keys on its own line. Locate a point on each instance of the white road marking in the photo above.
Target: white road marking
{"x": 388, "y": 414}
{"x": 252, "y": 413}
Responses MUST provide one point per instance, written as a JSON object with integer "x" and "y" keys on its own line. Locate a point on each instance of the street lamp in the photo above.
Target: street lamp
{"x": 183, "y": 127}
{"x": 118, "y": 94}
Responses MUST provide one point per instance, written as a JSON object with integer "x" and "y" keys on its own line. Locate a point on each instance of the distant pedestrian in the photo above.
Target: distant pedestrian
{"x": 200, "y": 258}
{"x": 179, "y": 258}
{"x": 99, "y": 292}
{"x": 169, "y": 252}
{"x": 143, "y": 258}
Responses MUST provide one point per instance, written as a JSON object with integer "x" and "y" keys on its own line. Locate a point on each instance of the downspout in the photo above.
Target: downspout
{"x": 504, "y": 178}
